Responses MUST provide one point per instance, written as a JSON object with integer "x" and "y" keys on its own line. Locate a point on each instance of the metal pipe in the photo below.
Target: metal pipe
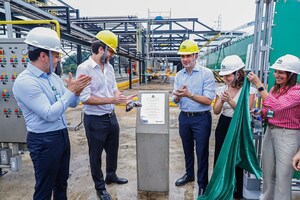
{"x": 119, "y": 65}
{"x": 163, "y": 52}
{"x": 79, "y": 54}
{"x": 212, "y": 39}
{"x": 140, "y": 72}
{"x": 49, "y": 16}
{"x": 268, "y": 43}
{"x": 130, "y": 74}
{"x": 256, "y": 59}
{"x": 8, "y": 18}
{"x": 143, "y": 62}
{"x": 57, "y": 26}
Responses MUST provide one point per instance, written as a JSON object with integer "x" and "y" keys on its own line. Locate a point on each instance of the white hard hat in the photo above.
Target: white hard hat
{"x": 44, "y": 38}
{"x": 288, "y": 63}
{"x": 231, "y": 64}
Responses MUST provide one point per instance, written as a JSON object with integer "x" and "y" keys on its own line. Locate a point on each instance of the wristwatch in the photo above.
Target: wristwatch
{"x": 192, "y": 95}
{"x": 261, "y": 88}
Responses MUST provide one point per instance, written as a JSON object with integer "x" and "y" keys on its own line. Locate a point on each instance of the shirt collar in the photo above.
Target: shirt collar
{"x": 91, "y": 60}
{"x": 36, "y": 71}
{"x": 195, "y": 69}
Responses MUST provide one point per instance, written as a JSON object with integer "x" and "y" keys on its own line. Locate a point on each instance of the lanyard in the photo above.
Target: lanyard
{"x": 56, "y": 94}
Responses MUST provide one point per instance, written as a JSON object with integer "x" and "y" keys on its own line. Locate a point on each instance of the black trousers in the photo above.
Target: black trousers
{"x": 102, "y": 133}
{"x": 220, "y": 134}
{"x": 196, "y": 130}
{"x": 50, "y": 155}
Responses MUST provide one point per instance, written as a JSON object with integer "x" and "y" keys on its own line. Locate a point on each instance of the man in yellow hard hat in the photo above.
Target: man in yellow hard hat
{"x": 100, "y": 121}
{"x": 193, "y": 92}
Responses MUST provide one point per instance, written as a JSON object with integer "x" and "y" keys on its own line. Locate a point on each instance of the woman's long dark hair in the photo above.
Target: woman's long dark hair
{"x": 239, "y": 81}
{"x": 292, "y": 81}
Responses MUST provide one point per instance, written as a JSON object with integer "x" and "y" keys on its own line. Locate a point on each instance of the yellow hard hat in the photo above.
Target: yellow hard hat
{"x": 188, "y": 47}
{"x": 108, "y": 38}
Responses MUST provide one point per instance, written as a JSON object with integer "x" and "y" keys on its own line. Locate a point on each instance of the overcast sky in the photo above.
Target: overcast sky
{"x": 233, "y": 12}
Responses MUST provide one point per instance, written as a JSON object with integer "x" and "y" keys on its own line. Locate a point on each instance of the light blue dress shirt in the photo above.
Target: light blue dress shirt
{"x": 43, "y": 99}
{"x": 200, "y": 82}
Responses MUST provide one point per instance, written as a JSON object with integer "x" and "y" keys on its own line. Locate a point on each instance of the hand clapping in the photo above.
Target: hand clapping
{"x": 182, "y": 92}
{"x": 225, "y": 97}
{"x": 76, "y": 86}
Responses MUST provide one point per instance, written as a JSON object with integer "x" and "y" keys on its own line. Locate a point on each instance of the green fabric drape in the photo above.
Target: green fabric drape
{"x": 238, "y": 150}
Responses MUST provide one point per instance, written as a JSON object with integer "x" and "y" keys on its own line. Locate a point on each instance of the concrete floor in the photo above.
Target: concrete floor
{"x": 19, "y": 185}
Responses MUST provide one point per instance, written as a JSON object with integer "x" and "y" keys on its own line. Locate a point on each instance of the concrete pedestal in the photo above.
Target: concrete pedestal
{"x": 152, "y": 139}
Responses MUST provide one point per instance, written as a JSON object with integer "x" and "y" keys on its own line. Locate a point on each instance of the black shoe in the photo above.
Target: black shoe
{"x": 237, "y": 196}
{"x": 201, "y": 191}
{"x": 116, "y": 180}
{"x": 104, "y": 195}
{"x": 184, "y": 180}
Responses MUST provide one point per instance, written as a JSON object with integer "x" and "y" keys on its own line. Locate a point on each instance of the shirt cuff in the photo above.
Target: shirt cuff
{"x": 84, "y": 97}
{"x": 69, "y": 96}
{"x": 173, "y": 99}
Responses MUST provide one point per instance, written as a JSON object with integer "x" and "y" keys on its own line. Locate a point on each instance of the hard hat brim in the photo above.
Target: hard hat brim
{"x": 42, "y": 47}
{"x": 223, "y": 73}
{"x": 114, "y": 50}
{"x": 276, "y": 67}
{"x": 186, "y": 53}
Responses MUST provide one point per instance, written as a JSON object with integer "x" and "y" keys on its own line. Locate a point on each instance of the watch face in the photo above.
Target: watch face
{"x": 260, "y": 89}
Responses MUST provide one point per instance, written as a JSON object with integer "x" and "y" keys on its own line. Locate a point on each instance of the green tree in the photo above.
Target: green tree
{"x": 69, "y": 64}
{"x": 70, "y": 68}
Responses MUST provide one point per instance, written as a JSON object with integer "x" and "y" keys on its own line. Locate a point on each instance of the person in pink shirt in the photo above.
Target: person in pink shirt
{"x": 281, "y": 108}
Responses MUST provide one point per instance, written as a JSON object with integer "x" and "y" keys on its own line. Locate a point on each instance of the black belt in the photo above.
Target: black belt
{"x": 105, "y": 115}
{"x": 109, "y": 114}
{"x": 191, "y": 114}
{"x": 50, "y": 132}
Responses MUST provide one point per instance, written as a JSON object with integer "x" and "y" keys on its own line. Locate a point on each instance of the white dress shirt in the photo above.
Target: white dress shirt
{"x": 103, "y": 85}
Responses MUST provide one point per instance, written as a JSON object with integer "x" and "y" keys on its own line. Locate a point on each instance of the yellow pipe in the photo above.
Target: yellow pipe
{"x": 212, "y": 39}
{"x": 171, "y": 103}
{"x": 57, "y": 27}
{"x": 124, "y": 85}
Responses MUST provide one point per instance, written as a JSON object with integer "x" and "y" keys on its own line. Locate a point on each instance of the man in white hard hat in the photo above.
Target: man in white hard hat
{"x": 41, "y": 95}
